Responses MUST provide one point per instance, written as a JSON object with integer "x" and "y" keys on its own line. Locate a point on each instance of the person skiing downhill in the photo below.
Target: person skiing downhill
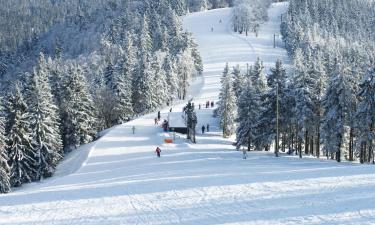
{"x": 158, "y": 151}
{"x": 244, "y": 154}
{"x": 203, "y": 128}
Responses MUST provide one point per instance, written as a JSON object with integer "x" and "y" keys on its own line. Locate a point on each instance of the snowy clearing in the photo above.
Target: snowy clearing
{"x": 118, "y": 179}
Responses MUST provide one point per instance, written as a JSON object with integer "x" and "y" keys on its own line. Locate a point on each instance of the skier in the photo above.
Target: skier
{"x": 158, "y": 151}
{"x": 212, "y": 104}
{"x": 159, "y": 116}
{"x": 156, "y": 121}
{"x": 244, "y": 154}
{"x": 220, "y": 21}
{"x": 208, "y": 127}
{"x": 170, "y": 110}
{"x": 203, "y": 128}
{"x": 133, "y": 128}
{"x": 199, "y": 106}
{"x": 212, "y": 29}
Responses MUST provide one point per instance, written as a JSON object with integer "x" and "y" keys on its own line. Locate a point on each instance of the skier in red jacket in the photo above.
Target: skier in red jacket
{"x": 158, "y": 151}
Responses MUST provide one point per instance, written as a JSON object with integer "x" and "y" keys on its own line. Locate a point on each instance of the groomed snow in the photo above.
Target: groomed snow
{"x": 118, "y": 179}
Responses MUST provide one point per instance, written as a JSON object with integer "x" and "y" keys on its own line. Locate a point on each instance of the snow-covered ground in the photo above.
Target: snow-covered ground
{"x": 118, "y": 179}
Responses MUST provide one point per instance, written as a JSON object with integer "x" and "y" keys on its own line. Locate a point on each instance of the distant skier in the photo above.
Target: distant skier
{"x": 212, "y": 104}
{"x": 208, "y": 127}
{"x": 159, "y": 116}
{"x": 203, "y": 128}
{"x": 158, "y": 151}
{"x": 200, "y": 106}
{"x": 220, "y": 21}
{"x": 244, "y": 154}
{"x": 212, "y": 29}
{"x": 156, "y": 121}
{"x": 133, "y": 128}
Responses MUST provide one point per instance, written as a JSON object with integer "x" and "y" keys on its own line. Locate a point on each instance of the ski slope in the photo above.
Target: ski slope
{"x": 118, "y": 179}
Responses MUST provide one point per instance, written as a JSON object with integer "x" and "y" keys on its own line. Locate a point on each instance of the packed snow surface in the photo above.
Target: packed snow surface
{"x": 118, "y": 179}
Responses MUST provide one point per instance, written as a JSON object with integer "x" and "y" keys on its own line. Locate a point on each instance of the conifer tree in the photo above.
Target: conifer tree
{"x": 273, "y": 104}
{"x": 171, "y": 75}
{"x": 337, "y": 104}
{"x": 248, "y": 112}
{"x": 22, "y": 156}
{"x": 142, "y": 96}
{"x": 238, "y": 81}
{"x": 44, "y": 122}
{"x": 4, "y": 167}
{"x": 159, "y": 87}
{"x": 227, "y": 104}
{"x": 366, "y": 117}
{"x": 259, "y": 82}
{"x": 78, "y": 116}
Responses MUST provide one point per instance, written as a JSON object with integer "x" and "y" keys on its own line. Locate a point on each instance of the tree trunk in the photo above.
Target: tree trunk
{"x": 318, "y": 144}
{"x": 312, "y": 145}
{"x": 290, "y": 144}
{"x": 338, "y": 153}
{"x": 306, "y": 142}
{"x": 361, "y": 154}
{"x": 300, "y": 147}
{"x": 369, "y": 152}
{"x": 351, "y": 144}
{"x": 248, "y": 143}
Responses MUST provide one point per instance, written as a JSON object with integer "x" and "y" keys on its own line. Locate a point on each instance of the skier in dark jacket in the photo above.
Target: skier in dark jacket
{"x": 158, "y": 151}
{"x": 203, "y": 128}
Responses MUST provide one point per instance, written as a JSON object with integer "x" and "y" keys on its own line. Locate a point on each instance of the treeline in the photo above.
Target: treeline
{"x": 248, "y": 14}
{"x": 145, "y": 60}
{"x": 325, "y": 105}
{"x": 334, "y": 53}
{"x": 250, "y": 100}
{"x": 200, "y": 5}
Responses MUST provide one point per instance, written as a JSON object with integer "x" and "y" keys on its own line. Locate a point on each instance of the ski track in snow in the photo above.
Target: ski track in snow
{"x": 118, "y": 179}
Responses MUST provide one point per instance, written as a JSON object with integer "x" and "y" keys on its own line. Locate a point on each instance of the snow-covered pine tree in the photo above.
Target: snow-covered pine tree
{"x": 218, "y": 110}
{"x": 142, "y": 87}
{"x": 78, "y": 113}
{"x": 159, "y": 87}
{"x": 171, "y": 75}
{"x": 273, "y": 106}
{"x": 305, "y": 97}
{"x": 125, "y": 92}
{"x": 317, "y": 72}
{"x": 22, "y": 156}
{"x": 239, "y": 81}
{"x": 259, "y": 82}
{"x": 44, "y": 122}
{"x": 366, "y": 118}
{"x": 142, "y": 79}
{"x": 4, "y": 167}
{"x": 109, "y": 75}
{"x": 337, "y": 105}
{"x": 248, "y": 111}
{"x": 185, "y": 70}
{"x": 145, "y": 41}
{"x": 227, "y": 104}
